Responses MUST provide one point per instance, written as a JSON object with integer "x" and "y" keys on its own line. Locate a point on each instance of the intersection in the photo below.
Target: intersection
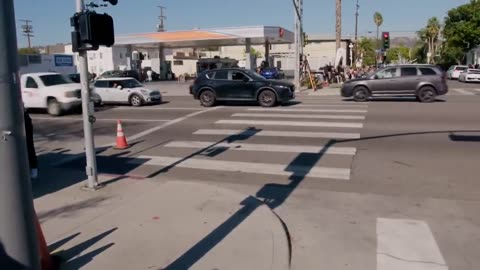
{"x": 345, "y": 178}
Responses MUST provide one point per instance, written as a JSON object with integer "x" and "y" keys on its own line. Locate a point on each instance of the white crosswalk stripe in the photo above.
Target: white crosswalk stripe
{"x": 265, "y": 147}
{"x": 305, "y": 116}
{"x": 272, "y": 133}
{"x": 291, "y": 123}
{"x": 462, "y": 91}
{"x": 305, "y": 110}
{"x": 407, "y": 244}
{"x": 245, "y": 167}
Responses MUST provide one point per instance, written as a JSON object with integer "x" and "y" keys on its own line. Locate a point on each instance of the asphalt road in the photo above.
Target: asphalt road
{"x": 389, "y": 184}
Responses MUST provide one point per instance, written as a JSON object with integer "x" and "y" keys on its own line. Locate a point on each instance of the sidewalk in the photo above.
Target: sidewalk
{"x": 157, "y": 224}
{"x": 326, "y": 91}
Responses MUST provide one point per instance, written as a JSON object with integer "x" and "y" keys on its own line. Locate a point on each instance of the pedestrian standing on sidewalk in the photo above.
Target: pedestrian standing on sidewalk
{"x": 32, "y": 155}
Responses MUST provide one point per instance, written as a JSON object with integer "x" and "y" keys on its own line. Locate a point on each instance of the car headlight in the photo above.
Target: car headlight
{"x": 144, "y": 92}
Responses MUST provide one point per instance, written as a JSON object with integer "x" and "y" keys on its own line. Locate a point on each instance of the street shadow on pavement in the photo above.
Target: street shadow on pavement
{"x": 70, "y": 210}
{"x": 273, "y": 195}
{"x": 69, "y": 256}
{"x": 464, "y": 138}
{"x": 7, "y": 262}
{"x": 211, "y": 150}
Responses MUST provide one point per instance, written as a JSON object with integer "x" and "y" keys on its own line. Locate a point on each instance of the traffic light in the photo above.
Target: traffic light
{"x": 92, "y": 30}
{"x": 386, "y": 40}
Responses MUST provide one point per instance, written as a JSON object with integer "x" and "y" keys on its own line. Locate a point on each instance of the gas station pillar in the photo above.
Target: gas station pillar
{"x": 249, "y": 61}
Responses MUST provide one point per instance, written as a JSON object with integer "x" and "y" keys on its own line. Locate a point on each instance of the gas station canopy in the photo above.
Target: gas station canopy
{"x": 255, "y": 35}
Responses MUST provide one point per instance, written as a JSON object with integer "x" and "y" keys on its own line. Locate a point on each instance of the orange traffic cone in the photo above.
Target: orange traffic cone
{"x": 46, "y": 261}
{"x": 121, "y": 139}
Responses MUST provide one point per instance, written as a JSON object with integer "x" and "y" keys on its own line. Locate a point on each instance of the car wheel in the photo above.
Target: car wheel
{"x": 426, "y": 94}
{"x": 54, "y": 108}
{"x": 207, "y": 98}
{"x": 136, "y": 100}
{"x": 360, "y": 94}
{"x": 267, "y": 98}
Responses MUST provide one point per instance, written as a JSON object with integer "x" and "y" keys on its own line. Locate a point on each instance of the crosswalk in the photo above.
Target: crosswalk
{"x": 312, "y": 139}
{"x": 464, "y": 91}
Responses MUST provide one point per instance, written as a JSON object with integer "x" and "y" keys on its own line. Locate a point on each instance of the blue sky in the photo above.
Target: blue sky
{"x": 51, "y": 17}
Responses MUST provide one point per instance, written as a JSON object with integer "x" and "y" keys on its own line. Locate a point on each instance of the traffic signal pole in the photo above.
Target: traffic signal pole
{"x": 87, "y": 112}
{"x": 18, "y": 243}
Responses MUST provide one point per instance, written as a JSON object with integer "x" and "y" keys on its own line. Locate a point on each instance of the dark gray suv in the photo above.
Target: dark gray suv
{"x": 424, "y": 82}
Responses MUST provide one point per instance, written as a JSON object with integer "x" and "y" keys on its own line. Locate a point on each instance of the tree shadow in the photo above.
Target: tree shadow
{"x": 211, "y": 150}
{"x": 69, "y": 256}
{"x": 273, "y": 195}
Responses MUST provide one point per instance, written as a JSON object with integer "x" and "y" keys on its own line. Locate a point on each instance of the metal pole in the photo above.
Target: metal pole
{"x": 296, "y": 4}
{"x": 356, "y": 35}
{"x": 17, "y": 231}
{"x": 88, "y": 118}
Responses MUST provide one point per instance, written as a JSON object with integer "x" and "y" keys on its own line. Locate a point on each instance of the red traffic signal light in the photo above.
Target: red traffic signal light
{"x": 385, "y": 35}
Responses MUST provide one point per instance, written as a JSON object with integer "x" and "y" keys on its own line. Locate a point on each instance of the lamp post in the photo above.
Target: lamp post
{"x": 350, "y": 46}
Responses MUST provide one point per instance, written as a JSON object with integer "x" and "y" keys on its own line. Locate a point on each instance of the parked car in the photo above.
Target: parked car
{"x": 422, "y": 81}
{"x": 470, "y": 75}
{"x": 122, "y": 74}
{"x": 239, "y": 85}
{"x": 125, "y": 90}
{"x": 272, "y": 73}
{"x": 454, "y": 72}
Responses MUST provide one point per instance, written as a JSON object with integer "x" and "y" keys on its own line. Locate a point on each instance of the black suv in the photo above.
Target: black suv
{"x": 424, "y": 82}
{"x": 239, "y": 85}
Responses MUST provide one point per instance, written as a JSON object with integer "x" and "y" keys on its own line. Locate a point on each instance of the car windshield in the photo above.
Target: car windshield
{"x": 54, "y": 79}
{"x": 474, "y": 71}
{"x": 131, "y": 83}
{"x": 461, "y": 68}
{"x": 255, "y": 76}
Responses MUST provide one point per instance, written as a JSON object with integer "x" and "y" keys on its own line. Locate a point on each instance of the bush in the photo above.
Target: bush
{"x": 307, "y": 82}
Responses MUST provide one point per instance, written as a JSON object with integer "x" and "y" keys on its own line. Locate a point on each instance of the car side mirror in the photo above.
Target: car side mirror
{"x": 119, "y": 87}
{"x": 375, "y": 77}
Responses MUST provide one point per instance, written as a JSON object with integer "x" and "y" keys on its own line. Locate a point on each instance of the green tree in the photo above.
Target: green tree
{"x": 398, "y": 54}
{"x": 430, "y": 35}
{"x": 366, "y": 51}
{"x": 378, "y": 20}
{"x": 28, "y": 51}
{"x": 254, "y": 52}
{"x": 461, "y": 32}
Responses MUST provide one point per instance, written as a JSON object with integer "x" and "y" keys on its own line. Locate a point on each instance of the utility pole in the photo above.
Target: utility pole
{"x": 356, "y": 34}
{"x": 297, "y": 4}
{"x": 87, "y": 111}
{"x": 162, "y": 18}
{"x": 27, "y": 30}
{"x": 18, "y": 242}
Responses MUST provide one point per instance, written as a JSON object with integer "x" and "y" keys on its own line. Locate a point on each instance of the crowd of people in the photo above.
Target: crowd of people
{"x": 330, "y": 74}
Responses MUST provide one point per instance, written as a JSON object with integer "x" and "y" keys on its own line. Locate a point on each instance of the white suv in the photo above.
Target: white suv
{"x": 125, "y": 90}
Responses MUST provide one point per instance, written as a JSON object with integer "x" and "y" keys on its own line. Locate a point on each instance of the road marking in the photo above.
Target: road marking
{"x": 291, "y": 123}
{"x": 162, "y": 108}
{"x": 267, "y": 133}
{"x": 339, "y": 105}
{"x": 265, "y": 147}
{"x": 306, "y": 110}
{"x": 305, "y": 116}
{"x": 407, "y": 244}
{"x": 97, "y": 119}
{"x": 244, "y": 167}
{"x": 172, "y": 122}
{"x": 141, "y": 134}
{"x": 463, "y": 92}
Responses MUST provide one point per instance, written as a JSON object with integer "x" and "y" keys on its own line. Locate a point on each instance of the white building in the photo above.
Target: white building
{"x": 179, "y": 51}
{"x": 61, "y": 63}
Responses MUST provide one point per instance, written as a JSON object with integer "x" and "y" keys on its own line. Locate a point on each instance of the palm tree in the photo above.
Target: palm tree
{"x": 432, "y": 32}
{"x": 338, "y": 25}
{"x": 378, "y": 20}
